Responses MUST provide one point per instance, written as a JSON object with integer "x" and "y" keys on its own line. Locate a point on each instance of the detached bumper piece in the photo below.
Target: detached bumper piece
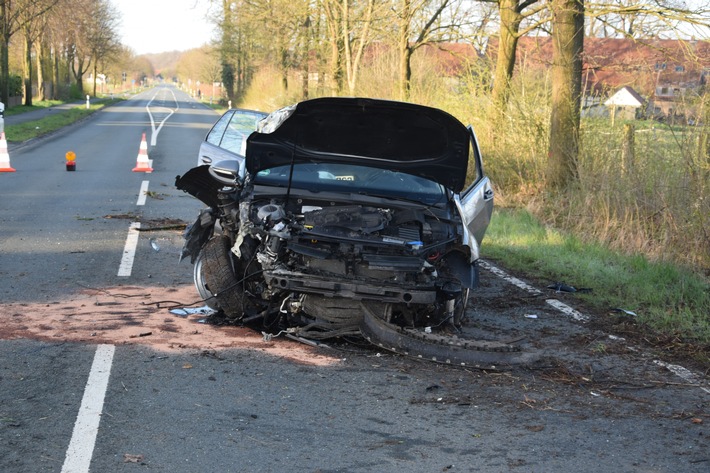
{"x": 480, "y": 354}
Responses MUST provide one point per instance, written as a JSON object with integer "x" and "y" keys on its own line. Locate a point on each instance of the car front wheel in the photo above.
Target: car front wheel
{"x": 219, "y": 278}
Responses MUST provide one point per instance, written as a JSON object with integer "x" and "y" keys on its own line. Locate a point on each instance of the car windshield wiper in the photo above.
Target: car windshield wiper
{"x": 399, "y": 197}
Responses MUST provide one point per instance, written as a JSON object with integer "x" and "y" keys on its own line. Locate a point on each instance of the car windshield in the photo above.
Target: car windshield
{"x": 335, "y": 177}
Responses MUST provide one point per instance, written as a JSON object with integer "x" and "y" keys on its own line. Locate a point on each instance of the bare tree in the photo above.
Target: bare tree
{"x": 14, "y": 15}
{"x": 350, "y": 25}
{"x": 512, "y": 14}
{"x": 102, "y": 36}
{"x": 648, "y": 18}
{"x": 92, "y": 28}
{"x": 33, "y": 19}
{"x": 422, "y": 22}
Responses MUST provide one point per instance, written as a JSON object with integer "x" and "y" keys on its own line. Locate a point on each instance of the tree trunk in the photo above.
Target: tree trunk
{"x": 40, "y": 74}
{"x": 283, "y": 66}
{"x": 55, "y": 73}
{"x": 305, "y": 56}
{"x": 96, "y": 69}
{"x": 27, "y": 68}
{"x": 405, "y": 51}
{"x": 4, "y": 56}
{"x": 510, "y": 19}
{"x": 568, "y": 45}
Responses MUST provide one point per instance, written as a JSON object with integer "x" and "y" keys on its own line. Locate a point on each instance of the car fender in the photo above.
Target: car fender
{"x": 466, "y": 272}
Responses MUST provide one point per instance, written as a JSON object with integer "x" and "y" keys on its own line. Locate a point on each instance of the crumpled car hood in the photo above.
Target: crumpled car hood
{"x": 398, "y": 136}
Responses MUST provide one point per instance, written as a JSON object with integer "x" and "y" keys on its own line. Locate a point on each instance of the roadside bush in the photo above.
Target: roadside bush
{"x": 16, "y": 86}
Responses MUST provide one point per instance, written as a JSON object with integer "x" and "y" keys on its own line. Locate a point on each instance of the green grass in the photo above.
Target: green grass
{"x": 38, "y": 105}
{"x": 668, "y": 299}
{"x": 33, "y": 129}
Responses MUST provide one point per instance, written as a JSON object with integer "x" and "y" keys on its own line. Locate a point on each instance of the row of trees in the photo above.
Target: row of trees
{"x": 61, "y": 40}
{"x": 333, "y": 37}
{"x": 64, "y": 40}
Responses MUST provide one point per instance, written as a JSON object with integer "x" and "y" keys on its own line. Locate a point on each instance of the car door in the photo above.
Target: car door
{"x": 227, "y": 138}
{"x": 476, "y": 201}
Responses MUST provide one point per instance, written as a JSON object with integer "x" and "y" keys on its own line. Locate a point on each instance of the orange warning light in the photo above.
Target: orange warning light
{"x": 71, "y": 161}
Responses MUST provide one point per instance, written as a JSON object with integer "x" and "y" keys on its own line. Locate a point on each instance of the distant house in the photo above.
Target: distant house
{"x": 625, "y": 104}
{"x": 670, "y": 73}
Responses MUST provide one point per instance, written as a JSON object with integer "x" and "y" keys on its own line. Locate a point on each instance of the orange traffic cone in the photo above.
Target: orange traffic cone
{"x": 4, "y": 155}
{"x": 143, "y": 163}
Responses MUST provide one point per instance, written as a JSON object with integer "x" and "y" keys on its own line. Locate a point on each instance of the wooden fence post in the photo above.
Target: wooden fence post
{"x": 627, "y": 149}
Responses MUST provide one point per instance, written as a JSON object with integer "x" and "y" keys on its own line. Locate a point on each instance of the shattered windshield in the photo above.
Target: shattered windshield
{"x": 335, "y": 177}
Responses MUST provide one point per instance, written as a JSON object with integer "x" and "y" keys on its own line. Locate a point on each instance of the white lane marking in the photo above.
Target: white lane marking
{"x": 154, "y": 134}
{"x": 567, "y": 310}
{"x": 514, "y": 281}
{"x": 129, "y": 250}
{"x": 143, "y": 192}
{"x": 679, "y": 371}
{"x": 561, "y": 306}
{"x": 684, "y": 373}
{"x": 86, "y": 427}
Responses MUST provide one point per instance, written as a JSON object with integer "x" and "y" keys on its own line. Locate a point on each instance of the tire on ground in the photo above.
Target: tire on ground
{"x": 218, "y": 272}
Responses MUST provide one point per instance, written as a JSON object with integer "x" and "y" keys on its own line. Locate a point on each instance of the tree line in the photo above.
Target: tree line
{"x": 332, "y": 37}
{"x": 62, "y": 41}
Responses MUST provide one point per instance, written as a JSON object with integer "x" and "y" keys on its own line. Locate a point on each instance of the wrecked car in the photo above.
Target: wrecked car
{"x": 227, "y": 139}
{"x": 348, "y": 217}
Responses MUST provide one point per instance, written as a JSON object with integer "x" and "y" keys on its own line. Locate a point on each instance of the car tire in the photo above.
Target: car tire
{"x": 198, "y": 277}
{"x": 219, "y": 277}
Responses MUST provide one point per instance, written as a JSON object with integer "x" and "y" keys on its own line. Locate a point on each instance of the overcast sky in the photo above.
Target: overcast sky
{"x": 155, "y": 26}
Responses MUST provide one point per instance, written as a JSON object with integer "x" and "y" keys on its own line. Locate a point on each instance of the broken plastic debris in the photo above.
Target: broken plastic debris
{"x": 627, "y": 312}
{"x": 154, "y": 244}
{"x": 530, "y": 316}
{"x": 427, "y": 329}
{"x": 185, "y": 311}
{"x": 142, "y": 334}
{"x": 131, "y": 458}
{"x": 562, "y": 287}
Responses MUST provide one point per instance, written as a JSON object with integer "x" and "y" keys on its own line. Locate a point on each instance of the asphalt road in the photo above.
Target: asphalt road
{"x": 94, "y": 374}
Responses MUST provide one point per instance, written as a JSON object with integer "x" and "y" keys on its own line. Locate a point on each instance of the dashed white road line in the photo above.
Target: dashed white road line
{"x": 142, "y": 193}
{"x": 679, "y": 371}
{"x": 129, "y": 250}
{"x": 506, "y": 277}
{"x": 684, "y": 373}
{"x": 567, "y": 310}
{"x": 86, "y": 427}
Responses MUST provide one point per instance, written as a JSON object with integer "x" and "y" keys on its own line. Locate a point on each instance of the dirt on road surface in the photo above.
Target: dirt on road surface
{"x": 585, "y": 371}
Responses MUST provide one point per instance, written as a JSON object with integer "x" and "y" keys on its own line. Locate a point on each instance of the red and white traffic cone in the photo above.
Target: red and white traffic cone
{"x": 4, "y": 155}
{"x": 143, "y": 164}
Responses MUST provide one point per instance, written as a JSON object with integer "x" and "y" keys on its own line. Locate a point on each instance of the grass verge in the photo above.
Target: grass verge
{"x": 33, "y": 129}
{"x": 667, "y": 299}
{"x": 37, "y": 105}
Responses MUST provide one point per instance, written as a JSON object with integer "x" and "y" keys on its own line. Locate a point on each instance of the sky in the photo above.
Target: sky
{"x": 155, "y": 26}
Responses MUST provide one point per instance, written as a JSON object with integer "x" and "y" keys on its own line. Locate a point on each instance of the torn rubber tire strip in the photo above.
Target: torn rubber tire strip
{"x": 481, "y": 354}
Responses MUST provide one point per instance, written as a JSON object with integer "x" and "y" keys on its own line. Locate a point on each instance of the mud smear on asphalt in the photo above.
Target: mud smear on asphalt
{"x": 140, "y": 315}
